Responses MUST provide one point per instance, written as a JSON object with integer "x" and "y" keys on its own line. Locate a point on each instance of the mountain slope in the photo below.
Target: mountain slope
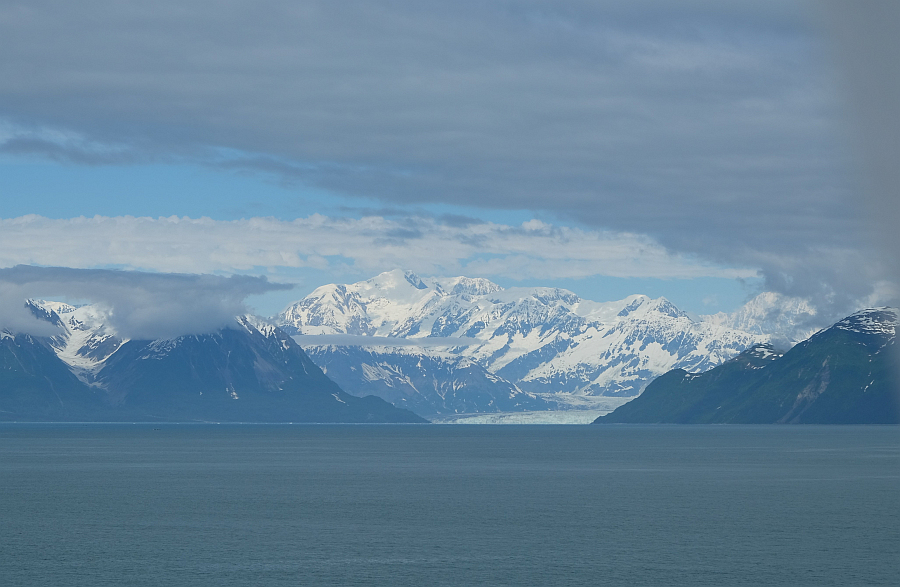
{"x": 426, "y": 384}
{"x": 845, "y": 374}
{"x": 84, "y": 341}
{"x": 236, "y": 374}
{"x": 36, "y": 385}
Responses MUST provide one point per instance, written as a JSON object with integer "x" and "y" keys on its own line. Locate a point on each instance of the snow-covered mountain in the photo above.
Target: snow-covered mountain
{"x": 543, "y": 340}
{"x": 84, "y": 341}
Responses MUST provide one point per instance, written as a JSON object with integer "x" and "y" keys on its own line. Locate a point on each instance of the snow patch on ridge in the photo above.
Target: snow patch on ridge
{"x": 85, "y": 340}
{"x": 880, "y": 321}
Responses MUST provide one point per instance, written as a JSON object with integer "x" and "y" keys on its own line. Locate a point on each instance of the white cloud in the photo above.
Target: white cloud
{"x": 136, "y": 304}
{"x": 370, "y": 244}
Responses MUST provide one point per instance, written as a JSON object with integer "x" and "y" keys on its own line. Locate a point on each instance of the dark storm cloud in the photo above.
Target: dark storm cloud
{"x": 710, "y": 126}
{"x": 138, "y": 305}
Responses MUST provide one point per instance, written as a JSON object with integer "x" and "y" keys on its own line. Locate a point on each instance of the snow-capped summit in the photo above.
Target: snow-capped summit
{"x": 762, "y": 353}
{"x": 254, "y": 324}
{"x": 85, "y": 339}
{"x": 883, "y": 321}
{"x": 414, "y": 280}
{"x": 469, "y": 286}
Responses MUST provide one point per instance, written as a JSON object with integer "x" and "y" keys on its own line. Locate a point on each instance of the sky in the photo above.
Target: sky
{"x": 702, "y": 151}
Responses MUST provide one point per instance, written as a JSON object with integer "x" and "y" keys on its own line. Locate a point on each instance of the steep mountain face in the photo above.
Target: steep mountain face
{"x": 36, "y": 385}
{"x": 84, "y": 341}
{"x": 246, "y": 373}
{"x": 252, "y": 372}
{"x": 543, "y": 340}
{"x": 846, "y": 374}
{"x": 428, "y": 385}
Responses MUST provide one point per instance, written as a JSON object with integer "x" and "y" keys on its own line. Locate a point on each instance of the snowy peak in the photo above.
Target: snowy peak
{"x": 632, "y": 306}
{"x": 641, "y": 305}
{"x": 330, "y": 309}
{"x": 763, "y": 351}
{"x": 59, "y": 307}
{"x": 389, "y": 304}
{"x": 42, "y": 313}
{"x": 877, "y": 321}
{"x": 758, "y": 356}
{"x": 253, "y": 324}
{"x": 398, "y": 284}
{"x": 414, "y": 280}
{"x": 666, "y": 308}
{"x": 469, "y": 286}
{"x": 85, "y": 340}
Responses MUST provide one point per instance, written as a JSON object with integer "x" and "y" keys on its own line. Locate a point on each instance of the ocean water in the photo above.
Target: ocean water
{"x": 448, "y": 505}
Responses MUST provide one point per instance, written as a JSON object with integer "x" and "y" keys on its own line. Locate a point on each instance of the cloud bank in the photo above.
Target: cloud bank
{"x": 430, "y": 246}
{"x": 837, "y": 280}
{"x": 714, "y": 128}
{"x": 137, "y": 305}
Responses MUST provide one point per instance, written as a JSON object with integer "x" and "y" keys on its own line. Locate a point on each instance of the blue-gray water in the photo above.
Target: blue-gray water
{"x": 448, "y": 505}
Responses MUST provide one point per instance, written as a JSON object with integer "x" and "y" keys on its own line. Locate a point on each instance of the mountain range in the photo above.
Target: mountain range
{"x": 396, "y": 347}
{"x": 533, "y": 348}
{"x": 250, "y": 372}
{"x": 845, "y": 374}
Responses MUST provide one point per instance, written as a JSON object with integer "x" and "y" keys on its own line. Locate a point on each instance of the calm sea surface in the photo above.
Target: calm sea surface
{"x": 448, "y": 505}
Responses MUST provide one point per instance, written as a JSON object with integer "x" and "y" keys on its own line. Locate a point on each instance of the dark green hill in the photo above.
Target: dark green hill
{"x": 846, "y": 374}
